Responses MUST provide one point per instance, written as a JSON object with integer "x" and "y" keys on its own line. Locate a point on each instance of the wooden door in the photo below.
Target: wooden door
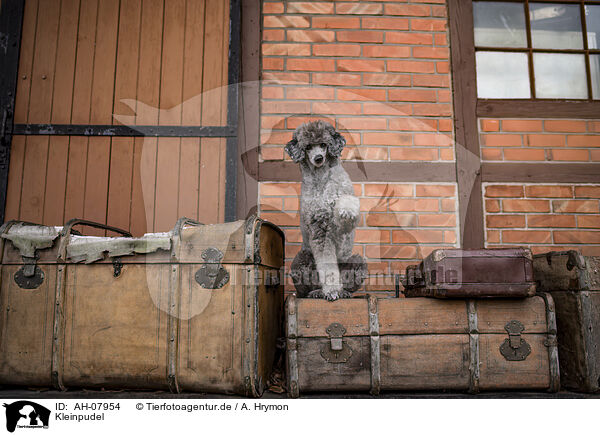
{"x": 86, "y": 63}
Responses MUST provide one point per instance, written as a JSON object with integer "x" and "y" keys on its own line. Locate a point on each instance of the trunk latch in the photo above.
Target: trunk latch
{"x": 515, "y": 348}
{"x": 29, "y": 276}
{"x": 337, "y": 351}
{"x": 212, "y": 275}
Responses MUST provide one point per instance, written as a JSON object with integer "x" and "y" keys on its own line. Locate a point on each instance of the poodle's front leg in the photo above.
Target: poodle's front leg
{"x": 347, "y": 211}
{"x": 324, "y": 253}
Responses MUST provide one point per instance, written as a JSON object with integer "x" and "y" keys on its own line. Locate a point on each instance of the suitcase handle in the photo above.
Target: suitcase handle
{"x": 70, "y": 224}
{"x": 181, "y": 222}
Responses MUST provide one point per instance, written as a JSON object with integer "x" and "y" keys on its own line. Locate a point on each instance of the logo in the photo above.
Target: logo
{"x": 26, "y": 414}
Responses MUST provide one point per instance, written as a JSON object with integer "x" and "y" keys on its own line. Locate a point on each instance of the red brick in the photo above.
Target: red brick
{"x": 386, "y": 79}
{"x": 414, "y": 204}
{"x": 544, "y": 140}
{"x": 273, "y": 35}
{"x": 583, "y": 141}
{"x": 565, "y": 126}
{"x": 286, "y": 77}
{"x": 391, "y": 220}
{"x": 587, "y": 191}
{"x": 493, "y": 236}
{"x": 431, "y": 80}
{"x": 410, "y": 124}
{"x": 430, "y": 52}
{"x": 409, "y": 38}
{"x": 310, "y": 35}
{"x": 432, "y": 109}
{"x": 450, "y": 236}
{"x": 352, "y": 94}
{"x": 358, "y": 8}
{"x": 272, "y": 122}
{"x": 276, "y": 137}
{"x": 509, "y": 236}
{"x": 282, "y": 219}
{"x": 389, "y": 190}
{"x": 549, "y": 191}
{"x": 360, "y": 65}
{"x": 309, "y": 8}
{"x": 279, "y": 189}
{"x": 435, "y": 190}
{"x": 271, "y": 153}
{"x": 387, "y": 139}
{"x": 595, "y": 155}
{"x": 271, "y": 203}
{"x": 490, "y": 125}
{"x": 373, "y": 204}
{"x": 575, "y": 206}
{"x": 594, "y": 126}
{"x": 440, "y": 140}
{"x": 285, "y": 21}
{"x": 365, "y": 153}
{"x": 285, "y": 107}
{"x": 524, "y": 154}
{"x": 590, "y": 250}
{"x": 588, "y": 221}
{"x": 336, "y": 50}
{"x": 336, "y": 22}
{"x": 525, "y": 205}
{"x": 292, "y": 235}
{"x": 271, "y": 63}
{"x": 286, "y": 49}
{"x": 336, "y": 108}
{"x": 385, "y": 23}
{"x": 311, "y": 64}
{"x": 270, "y": 92}
{"x": 446, "y": 125}
{"x": 492, "y": 205}
{"x": 491, "y": 154}
{"x": 272, "y": 8}
{"x": 447, "y": 154}
{"x": 503, "y": 191}
{"x": 551, "y": 221}
{"x": 336, "y": 79}
{"x": 430, "y": 25}
{"x": 291, "y": 204}
{"x": 393, "y": 51}
{"x": 505, "y": 221}
{"x": 521, "y": 125}
{"x": 578, "y": 237}
{"x": 371, "y": 236}
{"x": 412, "y": 95}
{"x": 440, "y": 39}
{"x": 362, "y": 123}
{"x": 417, "y": 236}
{"x": 376, "y": 108}
{"x": 502, "y": 140}
{"x": 569, "y": 155}
{"x": 393, "y": 251}
{"x": 437, "y": 220}
{"x": 407, "y": 10}
{"x": 295, "y": 121}
{"x": 310, "y": 93}
{"x": 444, "y": 95}
{"x": 359, "y": 36}
{"x": 414, "y": 154}
{"x": 442, "y": 67}
{"x": 410, "y": 66}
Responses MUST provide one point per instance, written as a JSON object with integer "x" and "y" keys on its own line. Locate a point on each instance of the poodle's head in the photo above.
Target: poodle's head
{"x": 315, "y": 141}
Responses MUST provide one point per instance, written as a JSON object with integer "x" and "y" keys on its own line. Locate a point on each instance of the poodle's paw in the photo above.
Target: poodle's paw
{"x": 347, "y": 214}
{"x": 316, "y": 294}
{"x": 348, "y": 210}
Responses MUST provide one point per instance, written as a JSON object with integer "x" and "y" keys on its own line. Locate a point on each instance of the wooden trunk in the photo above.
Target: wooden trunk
{"x": 421, "y": 344}
{"x": 472, "y": 273}
{"x": 574, "y": 282}
{"x": 202, "y": 316}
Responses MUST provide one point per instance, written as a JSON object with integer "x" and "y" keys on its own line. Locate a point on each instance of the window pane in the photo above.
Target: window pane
{"x": 595, "y": 70}
{"x": 555, "y": 26}
{"x": 592, "y": 18}
{"x": 499, "y": 24}
{"x": 502, "y": 75}
{"x": 559, "y": 75}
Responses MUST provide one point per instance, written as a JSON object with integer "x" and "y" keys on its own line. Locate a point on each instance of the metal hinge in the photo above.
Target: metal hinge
{"x": 515, "y": 348}
{"x": 337, "y": 351}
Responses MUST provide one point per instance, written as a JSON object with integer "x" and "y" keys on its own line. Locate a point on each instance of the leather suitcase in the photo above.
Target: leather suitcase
{"x": 421, "y": 344}
{"x": 196, "y": 309}
{"x": 574, "y": 282}
{"x": 472, "y": 273}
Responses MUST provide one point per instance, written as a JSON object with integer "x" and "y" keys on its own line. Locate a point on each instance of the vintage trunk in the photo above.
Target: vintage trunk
{"x": 574, "y": 282}
{"x": 421, "y": 344}
{"x": 472, "y": 273}
{"x": 196, "y": 309}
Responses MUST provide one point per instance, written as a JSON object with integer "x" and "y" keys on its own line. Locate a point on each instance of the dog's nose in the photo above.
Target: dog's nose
{"x": 319, "y": 159}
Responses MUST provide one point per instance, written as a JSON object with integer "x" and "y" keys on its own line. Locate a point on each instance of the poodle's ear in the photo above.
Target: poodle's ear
{"x": 337, "y": 145}
{"x": 295, "y": 150}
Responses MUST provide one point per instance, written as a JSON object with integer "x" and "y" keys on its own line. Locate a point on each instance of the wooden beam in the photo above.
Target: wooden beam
{"x": 538, "y": 109}
{"x": 541, "y": 172}
{"x": 468, "y": 160}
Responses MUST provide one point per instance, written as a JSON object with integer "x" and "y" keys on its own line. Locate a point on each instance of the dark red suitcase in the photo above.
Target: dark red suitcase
{"x": 472, "y": 273}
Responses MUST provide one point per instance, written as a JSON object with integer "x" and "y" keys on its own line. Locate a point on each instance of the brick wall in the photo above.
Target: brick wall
{"x": 544, "y": 217}
{"x": 534, "y": 140}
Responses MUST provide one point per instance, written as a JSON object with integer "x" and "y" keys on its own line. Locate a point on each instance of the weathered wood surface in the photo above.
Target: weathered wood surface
{"x": 566, "y": 270}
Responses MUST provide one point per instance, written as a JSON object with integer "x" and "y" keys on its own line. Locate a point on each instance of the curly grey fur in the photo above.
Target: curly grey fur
{"x": 329, "y": 213}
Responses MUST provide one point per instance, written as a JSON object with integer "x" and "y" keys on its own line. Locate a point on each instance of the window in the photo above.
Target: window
{"x": 537, "y": 50}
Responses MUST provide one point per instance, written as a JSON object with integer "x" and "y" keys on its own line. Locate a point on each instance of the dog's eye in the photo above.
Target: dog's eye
{"x": 323, "y": 145}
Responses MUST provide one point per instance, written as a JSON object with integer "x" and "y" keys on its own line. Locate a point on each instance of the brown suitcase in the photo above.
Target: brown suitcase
{"x": 421, "y": 344}
{"x": 574, "y": 282}
{"x": 472, "y": 273}
{"x": 198, "y": 309}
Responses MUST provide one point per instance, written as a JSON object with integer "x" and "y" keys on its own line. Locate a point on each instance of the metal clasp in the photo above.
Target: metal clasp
{"x": 515, "y": 348}
{"x": 212, "y": 275}
{"x": 337, "y": 351}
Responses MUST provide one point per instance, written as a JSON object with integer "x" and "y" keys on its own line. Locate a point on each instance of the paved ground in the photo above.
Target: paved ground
{"x": 98, "y": 394}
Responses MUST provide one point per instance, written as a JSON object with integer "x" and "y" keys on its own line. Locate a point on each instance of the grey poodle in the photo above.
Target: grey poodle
{"x": 329, "y": 212}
